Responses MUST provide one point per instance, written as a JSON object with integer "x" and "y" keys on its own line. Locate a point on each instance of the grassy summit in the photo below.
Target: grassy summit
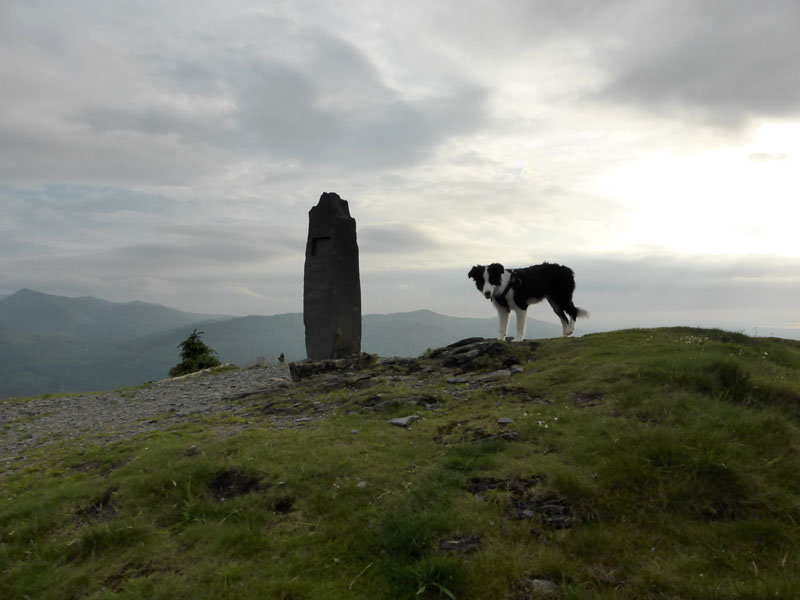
{"x": 659, "y": 463}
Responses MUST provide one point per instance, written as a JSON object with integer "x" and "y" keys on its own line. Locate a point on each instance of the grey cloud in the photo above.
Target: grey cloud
{"x": 713, "y": 61}
{"x": 69, "y": 155}
{"x": 82, "y": 200}
{"x": 692, "y": 289}
{"x": 235, "y": 244}
{"x": 720, "y": 61}
{"x": 171, "y": 110}
{"x": 197, "y": 252}
{"x": 103, "y": 231}
{"x": 318, "y": 101}
{"x": 333, "y": 109}
{"x": 149, "y": 120}
{"x": 394, "y": 239}
{"x": 200, "y": 266}
{"x": 50, "y": 213}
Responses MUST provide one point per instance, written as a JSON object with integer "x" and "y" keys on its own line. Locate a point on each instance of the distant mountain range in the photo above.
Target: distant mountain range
{"x": 56, "y": 344}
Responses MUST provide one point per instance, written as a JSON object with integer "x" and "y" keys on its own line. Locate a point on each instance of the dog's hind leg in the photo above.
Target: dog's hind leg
{"x": 502, "y": 314}
{"x": 567, "y": 326}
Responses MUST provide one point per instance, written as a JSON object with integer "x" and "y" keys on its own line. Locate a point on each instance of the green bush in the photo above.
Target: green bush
{"x": 196, "y": 356}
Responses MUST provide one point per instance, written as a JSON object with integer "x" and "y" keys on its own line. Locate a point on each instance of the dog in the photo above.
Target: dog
{"x": 516, "y": 289}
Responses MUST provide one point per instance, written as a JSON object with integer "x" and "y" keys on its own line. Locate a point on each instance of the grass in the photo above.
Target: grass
{"x": 644, "y": 464}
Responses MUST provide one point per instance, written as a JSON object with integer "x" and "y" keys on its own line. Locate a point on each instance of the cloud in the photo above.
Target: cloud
{"x": 121, "y": 245}
{"x": 171, "y": 112}
{"x": 329, "y": 105}
{"x": 663, "y": 289}
{"x": 286, "y": 113}
{"x": 395, "y": 239}
{"x": 720, "y": 61}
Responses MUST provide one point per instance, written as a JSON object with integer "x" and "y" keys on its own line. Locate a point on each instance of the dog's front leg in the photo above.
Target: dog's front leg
{"x": 502, "y": 315}
{"x": 522, "y": 320}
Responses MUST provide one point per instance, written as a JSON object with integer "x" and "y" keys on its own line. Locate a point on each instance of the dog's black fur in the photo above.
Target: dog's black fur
{"x": 515, "y": 289}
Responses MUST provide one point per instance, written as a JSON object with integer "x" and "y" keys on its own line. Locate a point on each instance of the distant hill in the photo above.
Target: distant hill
{"x": 89, "y": 318}
{"x": 56, "y": 344}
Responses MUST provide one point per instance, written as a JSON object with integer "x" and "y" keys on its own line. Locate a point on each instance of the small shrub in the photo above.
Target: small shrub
{"x": 196, "y": 356}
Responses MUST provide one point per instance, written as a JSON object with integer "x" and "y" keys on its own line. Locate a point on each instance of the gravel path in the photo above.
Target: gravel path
{"x": 26, "y": 424}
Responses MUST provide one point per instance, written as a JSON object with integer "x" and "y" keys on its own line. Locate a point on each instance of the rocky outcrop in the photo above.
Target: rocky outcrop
{"x": 308, "y": 368}
{"x": 476, "y": 353}
{"x": 490, "y": 360}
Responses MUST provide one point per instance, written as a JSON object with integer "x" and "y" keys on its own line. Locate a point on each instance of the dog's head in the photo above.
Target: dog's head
{"x": 487, "y": 279}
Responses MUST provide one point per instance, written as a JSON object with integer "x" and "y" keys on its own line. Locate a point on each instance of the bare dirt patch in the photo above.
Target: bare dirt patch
{"x": 116, "y": 582}
{"x": 101, "y": 509}
{"x": 518, "y": 394}
{"x": 548, "y": 508}
{"x": 283, "y": 505}
{"x": 474, "y": 430}
{"x": 519, "y": 485}
{"x": 588, "y": 399}
{"x": 231, "y": 484}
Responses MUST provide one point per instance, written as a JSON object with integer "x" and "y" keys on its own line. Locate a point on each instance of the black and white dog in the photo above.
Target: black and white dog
{"x": 515, "y": 289}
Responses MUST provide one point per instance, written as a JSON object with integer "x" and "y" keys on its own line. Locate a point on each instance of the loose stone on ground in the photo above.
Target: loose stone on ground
{"x": 121, "y": 414}
{"x": 404, "y": 421}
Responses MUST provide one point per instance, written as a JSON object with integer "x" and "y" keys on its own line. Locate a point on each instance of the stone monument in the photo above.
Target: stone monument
{"x": 331, "y": 282}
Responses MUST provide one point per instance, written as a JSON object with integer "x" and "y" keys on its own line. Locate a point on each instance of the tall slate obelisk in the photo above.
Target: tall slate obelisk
{"x": 331, "y": 282}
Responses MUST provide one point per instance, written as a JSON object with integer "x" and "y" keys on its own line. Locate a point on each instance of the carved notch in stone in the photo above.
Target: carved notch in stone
{"x": 331, "y": 283}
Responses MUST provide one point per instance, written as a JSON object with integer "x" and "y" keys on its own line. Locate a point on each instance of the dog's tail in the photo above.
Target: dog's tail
{"x": 583, "y": 313}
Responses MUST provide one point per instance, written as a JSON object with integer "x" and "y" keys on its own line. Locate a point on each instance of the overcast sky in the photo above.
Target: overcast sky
{"x": 169, "y": 151}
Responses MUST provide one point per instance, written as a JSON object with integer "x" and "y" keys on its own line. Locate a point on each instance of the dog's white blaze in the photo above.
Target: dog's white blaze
{"x": 488, "y": 288}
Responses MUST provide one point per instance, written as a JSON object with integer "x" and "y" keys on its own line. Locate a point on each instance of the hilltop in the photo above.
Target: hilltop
{"x": 655, "y": 463}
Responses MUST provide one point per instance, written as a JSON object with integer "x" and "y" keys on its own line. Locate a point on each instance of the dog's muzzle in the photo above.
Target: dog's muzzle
{"x": 488, "y": 295}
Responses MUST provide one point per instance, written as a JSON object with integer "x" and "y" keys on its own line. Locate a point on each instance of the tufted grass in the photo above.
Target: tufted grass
{"x": 655, "y": 463}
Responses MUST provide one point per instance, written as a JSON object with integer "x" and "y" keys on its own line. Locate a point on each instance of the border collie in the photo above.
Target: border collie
{"x": 515, "y": 289}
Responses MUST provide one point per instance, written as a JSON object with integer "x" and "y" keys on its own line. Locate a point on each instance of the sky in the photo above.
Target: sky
{"x": 169, "y": 151}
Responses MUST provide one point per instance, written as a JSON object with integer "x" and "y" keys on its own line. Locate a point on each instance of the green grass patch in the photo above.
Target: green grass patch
{"x": 637, "y": 464}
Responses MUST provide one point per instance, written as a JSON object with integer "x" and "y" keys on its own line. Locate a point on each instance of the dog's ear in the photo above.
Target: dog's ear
{"x": 495, "y": 270}
{"x": 475, "y": 271}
